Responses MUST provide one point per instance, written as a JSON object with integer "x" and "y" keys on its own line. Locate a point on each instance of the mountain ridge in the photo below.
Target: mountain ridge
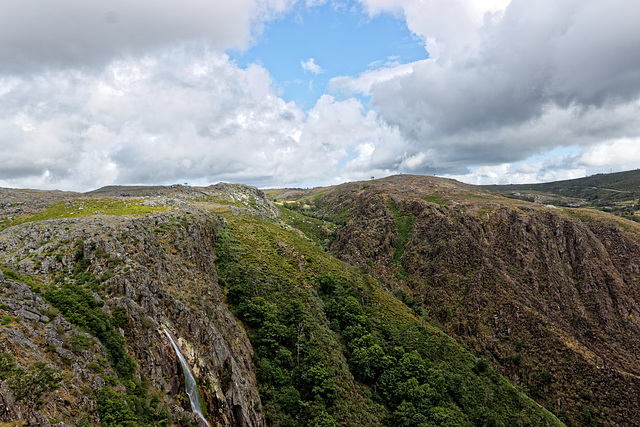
{"x": 382, "y": 302}
{"x": 617, "y": 193}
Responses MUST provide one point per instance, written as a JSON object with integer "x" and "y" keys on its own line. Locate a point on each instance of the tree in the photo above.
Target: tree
{"x": 114, "y": 410}
{"x": 369, "y": 362}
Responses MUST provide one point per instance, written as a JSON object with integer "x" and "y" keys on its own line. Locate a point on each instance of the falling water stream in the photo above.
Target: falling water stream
{"x": 190, "y": 385}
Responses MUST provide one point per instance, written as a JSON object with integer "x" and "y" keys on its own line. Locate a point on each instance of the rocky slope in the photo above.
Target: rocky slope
{"x": 278, "y": 332}
{"x": 275, "y": 330}
{"x": 148, "y": 266}
{"x": 551, "y": 296}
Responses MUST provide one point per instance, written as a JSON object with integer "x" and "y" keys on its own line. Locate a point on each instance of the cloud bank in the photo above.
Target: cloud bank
{"x": 516, "y": 83}
{"x": 120, "y": 92}
{"x": 173, "y": 118}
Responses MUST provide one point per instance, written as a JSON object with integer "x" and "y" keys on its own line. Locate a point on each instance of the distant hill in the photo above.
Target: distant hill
{"x": 617, "y": 193}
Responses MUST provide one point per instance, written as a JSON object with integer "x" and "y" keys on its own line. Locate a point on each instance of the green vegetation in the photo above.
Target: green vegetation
{"x": 76, "y": 302}
{"x": 136, "y": 407}
{"x": 296, "y": 385}
{"x": 421, "y": 375}
{"x": 79, "y": 343}
{"x": 317, "y": 207}
{"x": 321, "y": 232}
{"x": 31, "y": 385}
{"x": 114, "y": 409}
{"x": 78, "y": 305}
{"x": 404, "y": 222}
{"x": 87, "y": 207}
{"x": 432, "y": 198}
{"x": 10, "y": 274}
{"x": 332, "y": 348}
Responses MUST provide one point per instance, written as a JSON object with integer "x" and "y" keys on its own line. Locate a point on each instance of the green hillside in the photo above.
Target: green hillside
{"x": 617, "y": 193}
{"x": 547, "y": 294}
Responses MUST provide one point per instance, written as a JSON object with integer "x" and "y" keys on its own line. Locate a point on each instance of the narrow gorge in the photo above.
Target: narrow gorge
{"x": 401, "y": 301}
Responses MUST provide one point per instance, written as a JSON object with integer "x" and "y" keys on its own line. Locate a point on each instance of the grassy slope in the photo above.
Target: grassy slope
{"x": 281, "y": 253}
{"x": 85, "y": 207}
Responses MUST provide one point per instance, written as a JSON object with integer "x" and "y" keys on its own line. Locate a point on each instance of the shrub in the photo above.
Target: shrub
{"x": 113, "y": 408}
{"x": 31, "y": 385}
{"x": 78, "y": 343}
{"x": 481, "y": 366}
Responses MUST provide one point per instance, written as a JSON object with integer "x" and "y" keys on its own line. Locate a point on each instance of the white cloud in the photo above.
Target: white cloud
{"x": 447, "y": 26}
{"x": 623, "y": 153}
{"x": 311, "y": 66}
{"x": 615, "y": 155}
{"x": 174, "y": 117}
{"x": 512, "y": 80}
{"x": 507, "y": 173}
{"x": 143, "y": 121}
{"x": 364, "y": 81}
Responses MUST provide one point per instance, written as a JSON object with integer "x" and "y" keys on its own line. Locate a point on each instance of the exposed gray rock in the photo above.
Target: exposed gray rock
{"x": 160, "y": 269}
{"x": 26, "y": 315}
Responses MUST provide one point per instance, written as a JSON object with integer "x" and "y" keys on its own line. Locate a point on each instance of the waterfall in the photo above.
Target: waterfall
{"x": 190, "y": 385}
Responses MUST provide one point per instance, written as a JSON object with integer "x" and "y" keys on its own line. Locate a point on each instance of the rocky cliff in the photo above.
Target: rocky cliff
{"x": 277, "y": 331}
{"x": 144, "y": 258}
{"x": 549, "y": 295}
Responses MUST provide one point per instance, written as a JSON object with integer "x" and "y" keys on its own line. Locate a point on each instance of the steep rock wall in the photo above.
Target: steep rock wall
{"x": 549, "y": 297}
{"x": 159, "y": 269}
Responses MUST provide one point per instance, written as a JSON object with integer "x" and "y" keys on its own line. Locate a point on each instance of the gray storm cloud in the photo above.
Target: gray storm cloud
{"x": 39, "y": 34}
{"x": 114, "y": 91}
{"x": 546, "y": 74}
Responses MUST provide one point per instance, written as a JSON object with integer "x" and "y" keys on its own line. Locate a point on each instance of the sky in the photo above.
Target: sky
{"x": 303, "y": 93}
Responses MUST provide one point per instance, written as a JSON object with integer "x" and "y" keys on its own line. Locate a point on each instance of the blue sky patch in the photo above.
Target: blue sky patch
{"x": 341, "y": 40}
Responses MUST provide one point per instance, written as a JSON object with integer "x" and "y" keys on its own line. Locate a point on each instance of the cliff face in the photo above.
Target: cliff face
{"x": 145, "y": 273}
{"x": 550, "y": 296}
{"x": 90, "y": 282}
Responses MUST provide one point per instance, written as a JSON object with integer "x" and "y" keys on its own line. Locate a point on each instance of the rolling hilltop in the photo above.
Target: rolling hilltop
{"x": 404, "y": 301}
{"x": 617, "y": 193}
